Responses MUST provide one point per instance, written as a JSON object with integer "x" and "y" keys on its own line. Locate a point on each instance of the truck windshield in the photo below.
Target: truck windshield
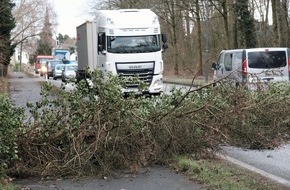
{"x": 133, "y": 44}
{"x": 43, "y": 60}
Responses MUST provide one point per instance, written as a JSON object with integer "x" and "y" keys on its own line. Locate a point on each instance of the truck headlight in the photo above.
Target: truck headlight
{"x": 158, "y": 82}
{"x": 43, "y": 69}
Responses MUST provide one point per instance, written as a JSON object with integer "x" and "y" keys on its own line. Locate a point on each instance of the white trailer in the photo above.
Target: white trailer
{"x": 127, "y": 43}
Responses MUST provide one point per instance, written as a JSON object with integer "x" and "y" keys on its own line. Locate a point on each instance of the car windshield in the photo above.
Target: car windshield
{"x": 43, "y": 61}
{"x": 54, "y": 63}
{"x": 267, "y": 59}
{"x": 133, "y": 44}
{"x": 71, "y": 67}
{"x": 59, "y": 67}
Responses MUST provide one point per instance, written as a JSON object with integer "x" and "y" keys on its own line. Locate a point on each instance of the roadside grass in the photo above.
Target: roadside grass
{"x": 3, "y": 85}
{"x": 10, "y": 187}
{"x": 184, "y": 81}
{"x": 219, "y": 174}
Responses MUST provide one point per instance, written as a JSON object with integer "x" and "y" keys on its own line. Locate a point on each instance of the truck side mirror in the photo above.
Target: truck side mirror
{"x": 164, "y": 46}
{"x": 100, "y": 47}
{"x": 164, "y": 38}
{"x": 101, "y": 42}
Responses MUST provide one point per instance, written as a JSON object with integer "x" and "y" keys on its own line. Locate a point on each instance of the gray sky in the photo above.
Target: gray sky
{"x": 70, "y": 14}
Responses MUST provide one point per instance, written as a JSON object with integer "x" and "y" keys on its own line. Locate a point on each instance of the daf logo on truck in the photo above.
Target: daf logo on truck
{"x": 117, "y": 44}
{"x": 135, "y": 66}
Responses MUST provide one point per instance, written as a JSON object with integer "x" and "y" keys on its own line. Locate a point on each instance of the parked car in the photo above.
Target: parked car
{"x": 69, "y": 71}
{"x": 254, "y": 67}
{"x": 50, "y": 64}
{"x": 57, "y": 71}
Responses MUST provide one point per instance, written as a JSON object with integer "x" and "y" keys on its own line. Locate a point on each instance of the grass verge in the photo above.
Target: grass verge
{"x": 10, "y": 187}
{"x": 219, "y": 174}
{"x": 184, "y": 81}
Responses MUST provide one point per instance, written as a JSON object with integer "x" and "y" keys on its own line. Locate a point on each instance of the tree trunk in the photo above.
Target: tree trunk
{"x": 188, "y": 35}
{"x": 174, "y": 28}
{"x": 226, "y": 22}
{"x": 275, "y": 23}
{"x": 235, "y": 28}
{"x": 200, "y": 68}
{"x": 283, "y": 24}
{"x": 3, "y": 70}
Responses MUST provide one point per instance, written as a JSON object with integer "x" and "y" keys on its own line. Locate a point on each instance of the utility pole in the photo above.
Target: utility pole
{"x": 206, "y": 39}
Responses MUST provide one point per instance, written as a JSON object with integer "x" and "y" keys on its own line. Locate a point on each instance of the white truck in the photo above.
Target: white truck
{"x": 126, "y": 43}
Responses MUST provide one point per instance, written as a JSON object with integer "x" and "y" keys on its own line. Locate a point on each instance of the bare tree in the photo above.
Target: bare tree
{"x": 29, "y": 16}
{"x": 222, "y": 7}
{"x": 232, "y": 24}
{"x": 275, "y": 22}
{"x": 283, "y": 24}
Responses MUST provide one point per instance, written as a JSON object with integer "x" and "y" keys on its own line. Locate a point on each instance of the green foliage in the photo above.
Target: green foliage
{"x": 95, "y": 129}
{"x": 7, "y": 23}
{"x": 246, "y": 24}
{"x": 43, "y": 48}
{"x": 11, "y": 122}
{"x": 46, "y": 41}
{"x": 8, "y": 186}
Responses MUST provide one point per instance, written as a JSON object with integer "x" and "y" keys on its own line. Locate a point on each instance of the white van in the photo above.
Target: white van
{"x": 252, "y": 66}
{"x": 228, "y": 65}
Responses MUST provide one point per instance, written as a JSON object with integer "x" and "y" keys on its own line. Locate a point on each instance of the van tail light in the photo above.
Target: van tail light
{"x": 289, "y": 68}
{"x": 244, "y": 68}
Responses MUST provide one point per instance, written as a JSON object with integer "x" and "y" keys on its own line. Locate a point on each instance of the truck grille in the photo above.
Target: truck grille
{"x": 130, "y": 72}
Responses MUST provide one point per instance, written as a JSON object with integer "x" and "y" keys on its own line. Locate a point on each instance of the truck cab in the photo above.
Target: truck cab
{"x": 127, "y": 43}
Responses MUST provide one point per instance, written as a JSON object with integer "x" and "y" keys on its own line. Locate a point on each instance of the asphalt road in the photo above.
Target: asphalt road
{"x": 158, "y": 178}
{"x": 24, "y": 89}
{"x": 273, "y": 164}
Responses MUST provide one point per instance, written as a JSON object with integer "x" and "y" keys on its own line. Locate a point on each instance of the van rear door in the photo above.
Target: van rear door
{"x": 267, "y": 64}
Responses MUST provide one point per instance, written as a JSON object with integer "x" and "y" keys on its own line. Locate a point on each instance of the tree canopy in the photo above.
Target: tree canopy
{"x": 45, "y": 44}
{"x": 7, "y": 23}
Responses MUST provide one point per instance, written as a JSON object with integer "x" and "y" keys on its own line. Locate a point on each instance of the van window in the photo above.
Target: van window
{"x": 228, "y": 61}
{"x": 267, "y": 59}
{"x": 220, "y": 59}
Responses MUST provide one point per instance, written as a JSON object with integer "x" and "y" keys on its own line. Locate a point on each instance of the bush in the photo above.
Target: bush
{"x": 11, "y": 119}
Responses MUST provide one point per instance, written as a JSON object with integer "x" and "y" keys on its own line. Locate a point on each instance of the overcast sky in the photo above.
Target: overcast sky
{"x": 70, "y": 14}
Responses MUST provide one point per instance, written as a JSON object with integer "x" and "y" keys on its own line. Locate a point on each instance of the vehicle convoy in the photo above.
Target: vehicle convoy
{"x": 39, "y": 63}
{"x": 126, "y": 43}
{"x": 253, "y": 66}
